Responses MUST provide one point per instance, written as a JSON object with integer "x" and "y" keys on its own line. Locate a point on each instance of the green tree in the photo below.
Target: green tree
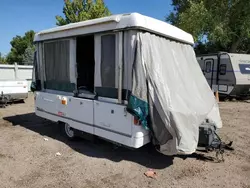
{"x": 2, "y": 59}
{"x": 81, "y": 10}
{"x": 224, "y": 24}
{"x": 28, "y": 55}
{"x": 18, "y": 46}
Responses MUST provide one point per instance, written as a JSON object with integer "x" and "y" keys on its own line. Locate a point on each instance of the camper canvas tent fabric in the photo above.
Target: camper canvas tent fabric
{"x": 170, "y": 95}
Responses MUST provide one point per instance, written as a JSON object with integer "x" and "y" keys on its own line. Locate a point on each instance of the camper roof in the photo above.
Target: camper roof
{"x": 115, "y": 22}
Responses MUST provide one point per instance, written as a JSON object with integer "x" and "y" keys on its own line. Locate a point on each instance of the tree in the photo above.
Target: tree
{"x": 81, "y": 10}
{"x": 222, "y": 24}
{"x": 28, "y": 55}
{"x": 2, "y": 59}
{"x": 19, "y": 45}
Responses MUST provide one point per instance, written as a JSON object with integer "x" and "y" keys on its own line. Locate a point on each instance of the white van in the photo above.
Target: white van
{"x": 127, "y": 78}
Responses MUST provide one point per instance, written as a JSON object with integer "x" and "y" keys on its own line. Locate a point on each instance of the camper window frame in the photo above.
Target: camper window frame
{"x": 53, "y": 42}
{"x": 210, "y": 67}
{"x": 115, "y": 60}
{"x": 72, "y": 63}
{"x": 118, "y": 58}
{"x": 224, "y": 71}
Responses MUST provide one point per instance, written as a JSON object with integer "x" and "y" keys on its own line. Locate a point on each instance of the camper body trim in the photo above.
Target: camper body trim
{"x": 113, "y": 23}
{"x": 89, "y": 116}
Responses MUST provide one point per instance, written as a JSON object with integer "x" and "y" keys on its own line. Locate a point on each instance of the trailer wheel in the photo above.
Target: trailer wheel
{"x": 69, "y": 132}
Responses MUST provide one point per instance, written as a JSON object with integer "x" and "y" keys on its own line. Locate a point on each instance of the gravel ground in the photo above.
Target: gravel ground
{"x": 27, "y": 160}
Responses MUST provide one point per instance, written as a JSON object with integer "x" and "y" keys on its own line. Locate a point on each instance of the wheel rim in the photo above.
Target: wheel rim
{"x": 69, "y": 131}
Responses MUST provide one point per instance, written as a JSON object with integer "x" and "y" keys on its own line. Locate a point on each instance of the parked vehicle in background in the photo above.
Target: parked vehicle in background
{"x": 13, "y": 90}
{"x": 16, "y": 72}
{"x": 227, "y": 73}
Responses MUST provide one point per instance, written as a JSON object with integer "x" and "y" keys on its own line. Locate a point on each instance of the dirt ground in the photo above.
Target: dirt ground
{"x": 27, "y": 160}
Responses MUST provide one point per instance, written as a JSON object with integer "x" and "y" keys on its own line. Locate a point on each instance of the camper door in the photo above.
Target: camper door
{"x": 226, "y": 75}
{"x": 209, "y": 70}
{"x": 111, "y": 117}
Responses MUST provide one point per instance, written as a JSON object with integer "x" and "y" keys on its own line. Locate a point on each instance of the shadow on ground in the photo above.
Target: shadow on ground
{"x": 146, "y": 156}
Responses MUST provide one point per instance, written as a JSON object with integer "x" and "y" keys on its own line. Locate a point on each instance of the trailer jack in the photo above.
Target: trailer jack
{"x": 219, "y": 147}
{"x": 210, "y": 140}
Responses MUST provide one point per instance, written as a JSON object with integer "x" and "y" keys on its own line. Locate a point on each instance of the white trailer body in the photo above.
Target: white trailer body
{"x": 84, "y": 74}
{"x": 94, "y": 117}
{"x": 227, "y": 73}
{"x": 14, "y": 90}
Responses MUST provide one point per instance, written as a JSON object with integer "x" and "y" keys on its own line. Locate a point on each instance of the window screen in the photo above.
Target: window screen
{"x": 108, "y": 60}
{"x": 57, "y": 60}
{"x": 223, "y": 69}
{"x": 208, "y": 66}
{"x": 244, "y": 68}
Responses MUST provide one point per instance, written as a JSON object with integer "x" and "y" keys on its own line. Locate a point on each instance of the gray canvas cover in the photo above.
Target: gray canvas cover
{"x": 167, "y": 76}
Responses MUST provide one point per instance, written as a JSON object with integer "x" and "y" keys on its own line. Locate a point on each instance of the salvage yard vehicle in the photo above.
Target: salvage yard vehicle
{"x": 227, "y": 73}
{"x": 127, "y": 78}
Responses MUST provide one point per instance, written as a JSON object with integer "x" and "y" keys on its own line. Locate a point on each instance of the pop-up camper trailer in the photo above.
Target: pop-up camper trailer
{"x": 127, "y": 78}
{"x": 227, "y": 73}
{"x": 13, "y": 90}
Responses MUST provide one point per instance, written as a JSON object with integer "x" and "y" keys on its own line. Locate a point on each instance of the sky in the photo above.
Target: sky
{"x": 19, "y": 16}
